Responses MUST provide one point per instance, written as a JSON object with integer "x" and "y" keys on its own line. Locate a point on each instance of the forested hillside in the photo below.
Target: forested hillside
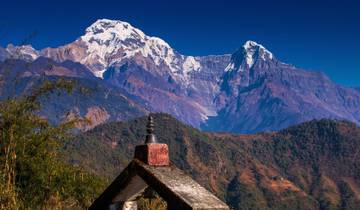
{"x": 313, "y": 165}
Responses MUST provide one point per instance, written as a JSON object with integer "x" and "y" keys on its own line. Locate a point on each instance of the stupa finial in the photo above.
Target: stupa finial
{"x": 150, "y": 136}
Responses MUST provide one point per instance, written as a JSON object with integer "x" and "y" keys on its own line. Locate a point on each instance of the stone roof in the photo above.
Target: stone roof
{"x": 173, "y": 185}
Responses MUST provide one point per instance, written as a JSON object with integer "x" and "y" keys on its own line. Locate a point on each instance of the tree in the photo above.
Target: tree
{"x": 32, "y": 174}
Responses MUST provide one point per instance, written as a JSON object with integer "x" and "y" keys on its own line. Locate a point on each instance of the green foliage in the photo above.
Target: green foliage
{"x": 32, "y": 175}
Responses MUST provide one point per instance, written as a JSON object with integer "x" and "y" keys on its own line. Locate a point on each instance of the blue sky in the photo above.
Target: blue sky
{"x": 322, "y": 35}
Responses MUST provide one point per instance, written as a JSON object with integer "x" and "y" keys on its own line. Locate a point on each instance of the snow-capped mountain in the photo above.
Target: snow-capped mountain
{"x": 248, "y": 55}
{"x": 107, "y": 42}
{"x": 247, "y": 91}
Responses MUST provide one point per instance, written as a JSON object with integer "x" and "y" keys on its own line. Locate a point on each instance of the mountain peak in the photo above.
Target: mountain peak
{"x": 105, "y": 29}
{"x": 247, "y": 55}
{"x": 119, "y": 40}
{"x": 254, "y": 51}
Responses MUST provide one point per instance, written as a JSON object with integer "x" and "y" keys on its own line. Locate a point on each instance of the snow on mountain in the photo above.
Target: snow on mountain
{"x": 254, "y": 50}
{"x": 249, "y": 53}
{"x": 24, "y": 52}
{"x": 108, "y": 42}
{"x": 112, "y": 41}
{"x": 191, "y": 64}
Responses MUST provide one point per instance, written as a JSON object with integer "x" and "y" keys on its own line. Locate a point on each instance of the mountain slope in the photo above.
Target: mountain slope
{"x": 262, "y": 93}
{"x": 310, "y": 166}
{"x": 91, "y": 98}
